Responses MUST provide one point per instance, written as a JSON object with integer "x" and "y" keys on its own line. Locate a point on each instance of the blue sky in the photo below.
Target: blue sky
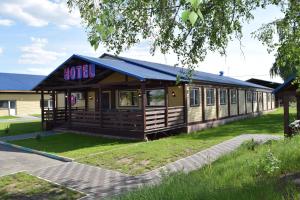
{"x": 37, "y": 35}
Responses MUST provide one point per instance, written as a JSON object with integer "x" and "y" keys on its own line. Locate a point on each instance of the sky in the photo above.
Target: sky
{"x": 36, "y": 36}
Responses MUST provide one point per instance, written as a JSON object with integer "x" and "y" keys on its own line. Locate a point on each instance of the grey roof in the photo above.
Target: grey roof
{"x": 286, "y": 83}
{"x": 20, "y": 82}
{"x": 198, "y": 75}
{"x": 144, "y": 70}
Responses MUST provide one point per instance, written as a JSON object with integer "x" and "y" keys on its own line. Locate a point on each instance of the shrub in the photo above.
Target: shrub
{"x": 269, "y": 163}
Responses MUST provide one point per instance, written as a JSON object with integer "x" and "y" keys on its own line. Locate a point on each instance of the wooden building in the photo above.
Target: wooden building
{"x": 17, "y": 97}
{"x": 269, "y": 84}
{"x": 125, "y": 97}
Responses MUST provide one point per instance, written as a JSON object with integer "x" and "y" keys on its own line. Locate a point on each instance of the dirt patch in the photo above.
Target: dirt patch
{"x": 125, "y": 160}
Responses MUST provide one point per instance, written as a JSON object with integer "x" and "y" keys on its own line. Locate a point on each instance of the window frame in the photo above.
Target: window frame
{"x": 213, "y": 98}
{"x": 151, "y": 89}
{"x": 249, "y": 96}
{"x": 225, "y": 98}
{"x": 194, "y": 97}
{"x": 231, "y": 96}
{"x": 254, "y": 99}
{"x": 3, "y": 108}
{"x": 128, "y": 106}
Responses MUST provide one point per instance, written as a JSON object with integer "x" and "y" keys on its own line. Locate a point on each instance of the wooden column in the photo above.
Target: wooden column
{"x": 217, "y": 103}
{"x": 100, "y": 106}
{"x": 262, "y": 101}
{"x": 86, "y": 100}
{"x": 203, "y": 104}
{"x": 238, "y": 101}
{"x": 298, "y": 105}
{"x": 69, "y": 109}
{"x": 54, "y": 106}
{"x": 252, "y": 101}
{"x": 113, "y": 98}
{"x": 246, "y": 102}
{"x": 166, "y": 105}
{"x": 66, "y": 105}
{"x": 228, "y": 101}
{"x": 286, "y": 115}
{"x": 185, "y": 103}
{"x": 97, "y": 106}
{"x": 42, "y": 109}
{"x": 143, "y": 106}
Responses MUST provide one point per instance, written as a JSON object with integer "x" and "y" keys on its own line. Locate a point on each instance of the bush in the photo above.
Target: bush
{"x": 269, "y": 163}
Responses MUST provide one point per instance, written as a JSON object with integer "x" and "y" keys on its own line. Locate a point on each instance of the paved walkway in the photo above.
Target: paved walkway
{"x": 20, "y": 119}
{"x": 27, "y": 136}
{"x": 99, "y": 183}
{"x": 13, "y": 160}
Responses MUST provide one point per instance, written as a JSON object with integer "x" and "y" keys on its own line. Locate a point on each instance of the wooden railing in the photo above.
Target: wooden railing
{"x": 155, "y": 118}
{"x": 159, "y": 118}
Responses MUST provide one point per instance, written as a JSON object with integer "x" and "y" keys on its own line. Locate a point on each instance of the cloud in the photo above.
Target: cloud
{"x": 40, "y": 13}
{"x": 6, "y": 22}
{"x": 1, "y": 50}
{"x": 35, "y": 53}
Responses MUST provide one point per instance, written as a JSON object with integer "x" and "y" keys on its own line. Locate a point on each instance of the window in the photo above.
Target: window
{"x": 3, "y": 104}
{"x": 210, "y": 97}
{"x": 155, "y": 97}
{"x": 194, "y": 97}
{"x": 268, "y": 97}
{"x": 249, "y": 96}
{"x": 254, "y": 97}
{"x": 233, "y": 97}
{"x": 128, "y": 98}
{"x": 223, "y": 96}
{"x": 47, "y": 104}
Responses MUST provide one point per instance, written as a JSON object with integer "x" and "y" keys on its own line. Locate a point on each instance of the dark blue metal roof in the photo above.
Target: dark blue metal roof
{"x": 20, "y": 82}
{"x": 285, "y": 84}
{"x": 198, "y": 75}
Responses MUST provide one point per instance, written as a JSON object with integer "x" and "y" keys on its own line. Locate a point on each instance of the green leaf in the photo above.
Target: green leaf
{"x": 185, "y": 15}
{"x": 195, "y": 3}
{"x": 200, "y": 14}
{"x": 193, "y": 17}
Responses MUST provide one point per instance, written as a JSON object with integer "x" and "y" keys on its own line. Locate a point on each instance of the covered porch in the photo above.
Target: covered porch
{"x": 112, "y": 102}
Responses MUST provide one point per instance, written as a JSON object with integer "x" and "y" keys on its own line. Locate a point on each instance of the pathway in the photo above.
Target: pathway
{"x": 99, "y": 183}
{"x": 21, "y": 119}
{"x": 27, "y": 135}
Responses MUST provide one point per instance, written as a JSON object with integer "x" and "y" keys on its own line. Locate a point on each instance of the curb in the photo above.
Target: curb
{"x": 60, "y": 158}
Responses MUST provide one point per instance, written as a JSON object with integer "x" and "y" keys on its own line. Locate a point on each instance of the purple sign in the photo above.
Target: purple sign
{"x": 79, "y": 72}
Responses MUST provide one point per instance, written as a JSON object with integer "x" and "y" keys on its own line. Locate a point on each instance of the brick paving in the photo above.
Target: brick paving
{"x": 99, "y": 183}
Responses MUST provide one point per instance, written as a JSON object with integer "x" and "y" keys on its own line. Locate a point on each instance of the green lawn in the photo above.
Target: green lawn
{"x": 16, "y": 128}
{"x": 8, "y": 117}
{"x": 23, "y": 186}
{"x": 244, "y": 175}
{"x": 36, "y": 115}
{"x": 138, "y": 157}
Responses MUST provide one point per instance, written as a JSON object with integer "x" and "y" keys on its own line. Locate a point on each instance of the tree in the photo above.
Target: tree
{"x": 189, "y": 28}
{"x": 283, "y": 37}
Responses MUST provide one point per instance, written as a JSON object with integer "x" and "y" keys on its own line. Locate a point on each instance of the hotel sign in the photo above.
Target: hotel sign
{"x": 79, "y": 72}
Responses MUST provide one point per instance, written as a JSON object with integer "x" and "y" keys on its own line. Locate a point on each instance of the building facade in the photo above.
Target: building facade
{"x": 17, "y": 97}
{"x": 131, "y": 98}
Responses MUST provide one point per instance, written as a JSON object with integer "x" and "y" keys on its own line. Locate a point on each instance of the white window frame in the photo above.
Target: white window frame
{"x": 233, "y": 99}
{"x": 223, "y": 99}
{"x": 210, "y": 96}
{"x": 193, "y": 96}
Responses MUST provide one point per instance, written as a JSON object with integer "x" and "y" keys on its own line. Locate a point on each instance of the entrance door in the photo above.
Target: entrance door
{"x": 12, "y": 108}
{"x": 105, "y": 100}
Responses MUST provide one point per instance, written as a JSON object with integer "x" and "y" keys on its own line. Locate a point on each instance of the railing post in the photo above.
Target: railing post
{"x": 66, "y": 105}
{"x": 54, "y": 106}
{"x": 228, "y": 101}
{"x": 166, "y": 105}
{"x": 185, "y": 103}
{"x": 100, "y": 106}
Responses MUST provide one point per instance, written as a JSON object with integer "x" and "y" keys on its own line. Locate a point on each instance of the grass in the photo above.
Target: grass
{"x": 16, "y": 128}
{"x": 139, "y": 157}
{"x": 36, "y": 115}
{"x": 22, "y": 186}
{"x": 244, "y": 174}
{"x": 8, "y": 117}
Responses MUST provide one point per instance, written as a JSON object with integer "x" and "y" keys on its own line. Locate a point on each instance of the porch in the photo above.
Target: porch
{"x": 125, "y": 121}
